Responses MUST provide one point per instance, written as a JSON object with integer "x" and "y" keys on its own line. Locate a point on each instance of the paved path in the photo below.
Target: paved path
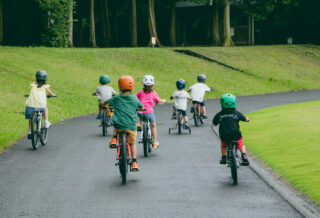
{"x": 74, "y": 174}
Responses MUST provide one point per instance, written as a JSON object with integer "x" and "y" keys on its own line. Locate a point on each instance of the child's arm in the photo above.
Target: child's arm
{"x": 95, "y": 94}
{"x": 50, "y": 92}
{"x": 247, "y": 119}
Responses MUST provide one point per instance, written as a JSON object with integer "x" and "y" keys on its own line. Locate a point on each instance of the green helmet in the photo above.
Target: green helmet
{"x": 228, "y": 101}
{"x": 104, "y": 79}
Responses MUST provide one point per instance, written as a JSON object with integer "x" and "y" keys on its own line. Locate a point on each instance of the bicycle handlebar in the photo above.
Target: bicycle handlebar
{"x": 48, "y": 96}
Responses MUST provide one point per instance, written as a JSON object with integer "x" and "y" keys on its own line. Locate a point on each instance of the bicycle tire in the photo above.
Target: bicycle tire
{"x": 34, "y": 132}
{"x": 195, "y": 116}
{"x": 179, "y": 124}
{"x": 103, "y": 123}
{"x": 44, "y": 134}
{"x": 123, "y": 160}
{"x": 233, "y": 166}
{"x": 145, "y": 140}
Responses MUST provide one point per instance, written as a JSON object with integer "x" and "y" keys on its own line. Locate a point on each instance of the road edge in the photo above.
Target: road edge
{"x": 295, "y": 199}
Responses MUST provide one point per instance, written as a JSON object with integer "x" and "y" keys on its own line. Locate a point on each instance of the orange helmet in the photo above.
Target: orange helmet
{"x": 126, "y": 83}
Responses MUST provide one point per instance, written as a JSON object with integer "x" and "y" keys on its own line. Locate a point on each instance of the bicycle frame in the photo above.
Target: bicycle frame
{"x": 146, "y": 138}
{"x": 179, "y": 125}
{"x": 123, "y": 155}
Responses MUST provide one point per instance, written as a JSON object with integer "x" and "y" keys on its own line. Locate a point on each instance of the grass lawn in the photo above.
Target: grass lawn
{"x": 294, "y": 66}
{"x": 73, "y": 75}
{"x": 287, "y": 138}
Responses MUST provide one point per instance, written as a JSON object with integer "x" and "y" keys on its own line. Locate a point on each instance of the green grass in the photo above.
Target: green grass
{"x": 74, "y": 73}
{"x": 293, "y": 66}
{"x": 287, "y": 139}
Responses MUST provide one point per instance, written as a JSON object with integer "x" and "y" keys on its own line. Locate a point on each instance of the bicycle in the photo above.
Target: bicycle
{"x": 123, "y": 155}
{"x": 233, "y": 160}
{"x": 106, "y": 119}
{"x": 197, "y": 113}
{"x": 146, "y": 137}
{"x": 179, "y": 125}
{"x": 38, "y": 130}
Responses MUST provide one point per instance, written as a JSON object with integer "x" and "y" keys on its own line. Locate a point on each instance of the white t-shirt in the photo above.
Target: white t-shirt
{"x": 104, "y": 92}
{"x": 181, "y": 98}
{"x": 198, "y": 90}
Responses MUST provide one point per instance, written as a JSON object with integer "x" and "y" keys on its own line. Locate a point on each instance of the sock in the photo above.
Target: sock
{"x": 134, "y": 160}
{"x": 29, "y": 131}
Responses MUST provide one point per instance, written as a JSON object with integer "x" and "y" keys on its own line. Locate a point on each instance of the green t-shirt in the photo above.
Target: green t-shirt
{"x": 125, "y": 111}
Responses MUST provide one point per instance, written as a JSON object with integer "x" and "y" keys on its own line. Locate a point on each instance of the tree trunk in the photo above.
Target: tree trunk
{"x": 226, "y": 18}
{"x": 215, "y": 25}
{"x": 106, "y": 23}
{"x": 92, "y": 25}
{"x": 250, "y": 30}
{"x": 1, "y": 23}
{"x": 173, "y": 23}
{"x": 134, "y": 39}
{"x": 152, "y": 22}
{"x": 71, "y": 24}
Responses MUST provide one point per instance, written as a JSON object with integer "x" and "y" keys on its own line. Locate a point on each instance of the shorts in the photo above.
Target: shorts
{"x": 29, "y": 111}
{"x": 202, "y": 104}
{"x": 148, "y": 116}
{"x": 240, "y": 144}
{"x": 184, "y": 112}
{"x": 131, "y": 137}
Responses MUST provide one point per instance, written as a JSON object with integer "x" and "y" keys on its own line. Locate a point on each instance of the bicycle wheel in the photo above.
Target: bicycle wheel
{"x": 195, "y": 116}
{"x": 145, "y": 140}
{"x": 123, "y": 159}
{"x": 44, "y": 134}
{"x": 103, "y": 123}
{"x": 179, "y": 124}
{"x": 34, "y": 132}
{"x": 233, "y": 166}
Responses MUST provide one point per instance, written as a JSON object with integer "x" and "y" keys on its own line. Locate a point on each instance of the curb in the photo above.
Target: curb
{"x": 301, "y": 205}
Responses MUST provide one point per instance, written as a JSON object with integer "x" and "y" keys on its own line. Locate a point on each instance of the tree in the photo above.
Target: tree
{"x": 106, "y": 23}
{"x": 152, "y": 22}
{"x": 215, "y": 28}
{"x": 92, "y": 25}
{"x": 173, "y": 23}
{"x": 227, "y": 41}
{"x": 70, "y": 43}
{"x": 1, "y": 23}
{"x": 134, "y": 37}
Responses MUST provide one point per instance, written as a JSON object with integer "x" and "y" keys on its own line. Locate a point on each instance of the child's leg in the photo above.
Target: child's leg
{"x": 30, "y": 120}
{"x": 46, "y": 114}
{"x": 154, "y": 131}
{"x": 113, "y": 141}
{"x": 204, "y": 110}
{"x": 223, "y": 150}
{"x": 185, "y": 118}
{"x": 223, "y": 159}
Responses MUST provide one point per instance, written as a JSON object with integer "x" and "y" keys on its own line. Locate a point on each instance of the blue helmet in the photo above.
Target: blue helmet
{"x": 181, "y": 84}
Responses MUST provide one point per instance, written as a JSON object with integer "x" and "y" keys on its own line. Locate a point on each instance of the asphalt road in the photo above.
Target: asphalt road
{"x": 74, "y": 174}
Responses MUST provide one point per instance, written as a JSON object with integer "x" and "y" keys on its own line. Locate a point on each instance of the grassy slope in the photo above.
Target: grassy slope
{"x": 73, "y": 75}
{"x": 294, "y": 66}
{"x": 287, "y": 139}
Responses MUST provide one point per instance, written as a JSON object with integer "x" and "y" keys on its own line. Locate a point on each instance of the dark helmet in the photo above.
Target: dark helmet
{"x": 181, "y": 84}
{"x": 104, "y": 79}
{"x": 201, "y": 78}
{"x": 41, "y": 75}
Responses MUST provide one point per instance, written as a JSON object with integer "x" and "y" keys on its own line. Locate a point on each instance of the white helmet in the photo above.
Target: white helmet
{"x": 148, "y": 80}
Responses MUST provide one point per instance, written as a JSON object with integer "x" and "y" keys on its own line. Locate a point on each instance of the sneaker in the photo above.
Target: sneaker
{"x": 186, "y": 125}
{"x": 113, "y": 143}
{"x": 47, "y": 124}
{"x": 139, "y": 127}
{"x": 245, "y": 161}
{"x": 99, "y": 117}
{"x": 204, "y": 116}
{"x": 155, "y": 145}
{"x": 135, "y": 167}
{"x": 191, "y": 110}
{"x": 223, "y": 159}
{"x": 29, "y": 136}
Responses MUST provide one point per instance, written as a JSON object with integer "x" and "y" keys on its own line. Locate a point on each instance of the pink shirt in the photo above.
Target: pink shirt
{"x": 147, "y": 99}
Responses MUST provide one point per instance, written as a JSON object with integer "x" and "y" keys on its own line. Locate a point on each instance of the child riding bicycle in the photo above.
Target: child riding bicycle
{"x": 147, "y": 97}
{"x": 229, "y": 129}
{"x": 37, "y": 100}
{"x": 181, "y": 97}
{"x": 125, "y": 115}
{"x": 198, "y": 91}
{"x": 104, "y": 93}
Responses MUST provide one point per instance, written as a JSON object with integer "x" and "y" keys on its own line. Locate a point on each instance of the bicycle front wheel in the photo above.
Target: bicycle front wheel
{"x": 233, "y": 166}
{"x": 123, "y": 159}
{"x": 145, "y": 139}
{"x": 34, "y": 132}
{"x": 44, "y": 134}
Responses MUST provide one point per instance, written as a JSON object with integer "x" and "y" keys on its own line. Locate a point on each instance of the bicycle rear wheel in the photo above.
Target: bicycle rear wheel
{"x": 44, "y": 134}
{"x": 179, "y": 124}
{"x": 123, "y": 166}
{"x": 233, "y": 166}
{"x": 34, "y": 132}
{"x": 145, "y": 140}
{"x": 103, "y": 123}
{"x": 195, "y": 116}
